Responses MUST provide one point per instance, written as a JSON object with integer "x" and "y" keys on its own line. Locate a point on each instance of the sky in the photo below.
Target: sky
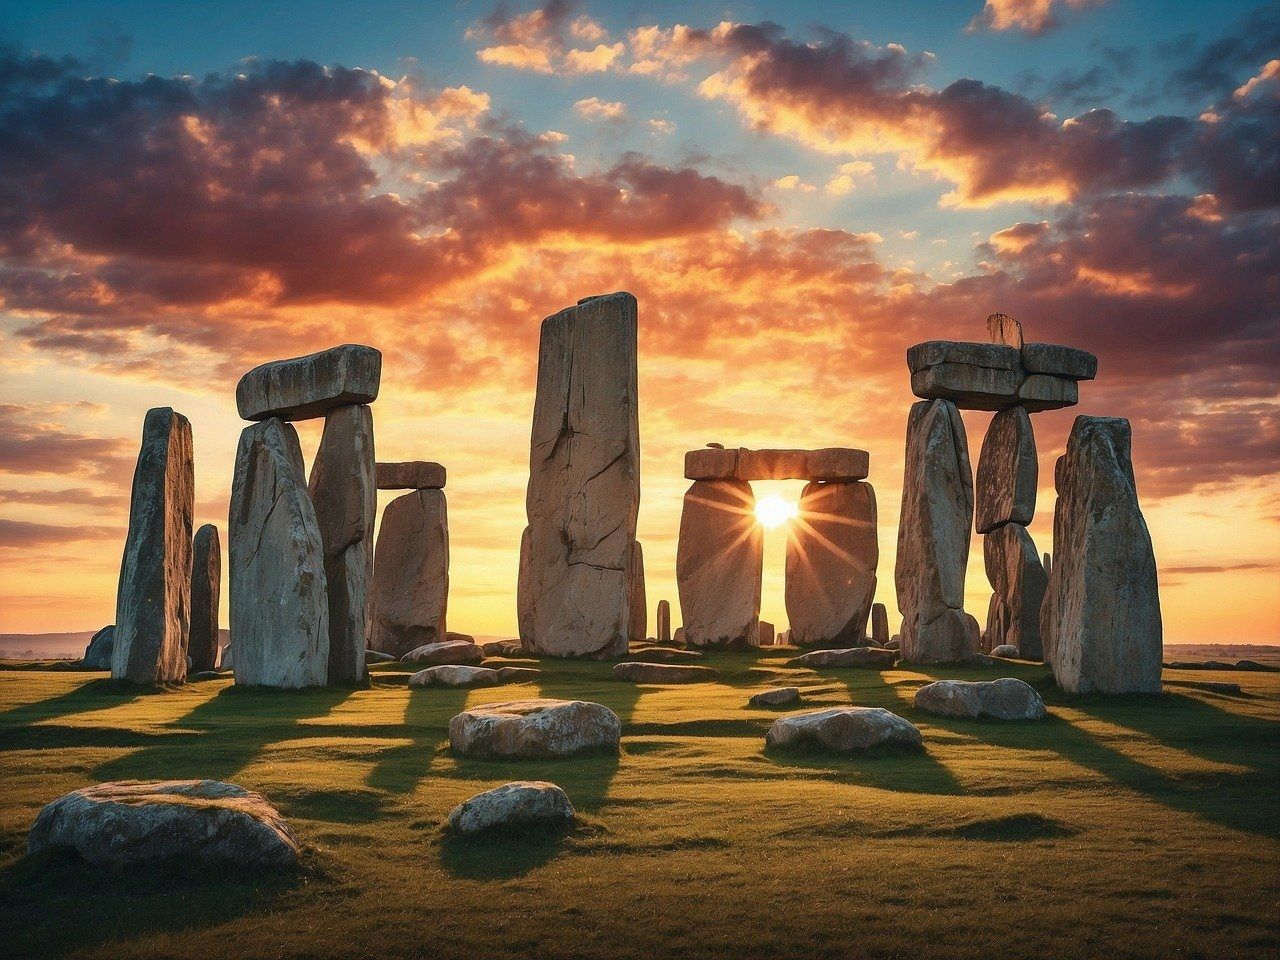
{"x": 794, "y": 192}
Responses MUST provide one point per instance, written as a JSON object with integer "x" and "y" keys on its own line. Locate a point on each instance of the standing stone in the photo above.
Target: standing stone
{"x": 636, "y": 598}
{"x": 344, "y": 491}
{"x": 1007, "y": 472}
{"x": 584, "y": 483}
{"x": 832, "y": 552}
{"x": 879, "y": 625}
{"x": 1048, "y": 564}
{"x": 206, "y": 590}
{"x": 153, "y": 602}
{"x": 764, "y": 633}
{"x": 1004, "y": 329}
{"x": 1101, "y": 617}
{"x": 719, "y": 564}
{"x": 279, "y": 607}
{"x": 411, "y": 574}
{"x": 664, "y": 621}
{"x": 1018, "y": 581}
{"x": 933, "y": 535}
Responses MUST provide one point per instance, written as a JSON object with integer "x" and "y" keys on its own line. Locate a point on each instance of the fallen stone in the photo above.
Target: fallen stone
{"x": 1005, "y": 491}
{"x": 1101, "y": 620}
{"x": 206, "y": 587}
{"x": 97, "y": 655}
{"x": 377, "y": 656}
{"x": 1004, "y": 329}
{"x": 894, "y": 643}
{"x": 1058, "y": 361}
{"x": 995, "y": 356}
{"x": 122, "y": 824}
{"x": 306, "y": 387}
{"x": 528, "y": 729}
{"x": 455, "y": 653}
{"x": 719, "y": 564}
{"x": 665, "y": 655}
{"x": 843, "y": 730}
{"x": 873, "y": 657}
{"x": 837, "y": 463}
{"x": 499, "y": 648}
{"x": 411, "y": 574}
{"x": 637, "y": 600}
{"x": 1004, "y": 699}
{"x": 153, "y": 600}
{"x": 641, "y": 672}
{"x": 1006, "y": 650}
{"x": 411, "y": 475}
{"x": 970, "y": 387}
{"x": 832, "y": 553}
{"x": 664, "y": 621}
{"x": 778, "y": 697}
{"x": 454, "y": 675}
{"x": 528, "y": 803}
{"x": 1018, "y": 585}
{"x": 711, "y": 463}
{"x": 279, "y": 603}
{"x": 518, "y": 674}
{"x": 1040, "y": 392}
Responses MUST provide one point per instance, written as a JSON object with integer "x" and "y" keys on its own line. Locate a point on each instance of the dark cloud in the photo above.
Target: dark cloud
{"x": 32, "y": 444}
{"x": 1218, "y": 67}
{"x": 75, "y": 496}
{"x": 24, "y": 535}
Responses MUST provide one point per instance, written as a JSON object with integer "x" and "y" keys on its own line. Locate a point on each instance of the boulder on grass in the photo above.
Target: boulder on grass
{"x": 662, "y": 673}
{"x": 528, "y": 729}
{"x": 447, "y": 652}
{"x": 843, "y": 730}
{"x": 175, "y": 820}
{"x": 1007, "y": 650}
{"x": 1003, "y": 699}
{"x": 872, "y": 657}
{"x": 778, "y": 697}
{"x": 526, "y": 803}
{"x": 97, "y": 655}
{"x": 665, "y": 655}
{"x": 377, "y": 656}
{"x": 454, "y": 675}
{"x": 518, "y": 674}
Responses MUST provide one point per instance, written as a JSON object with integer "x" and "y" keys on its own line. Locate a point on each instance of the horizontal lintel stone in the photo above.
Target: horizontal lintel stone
{"x": 303, "y": 388}
{"x": 998, "y": 356}
{"x": 411, "y": 475}
{"x": 1069, "y": 363}
{"x": 826, "y": 463}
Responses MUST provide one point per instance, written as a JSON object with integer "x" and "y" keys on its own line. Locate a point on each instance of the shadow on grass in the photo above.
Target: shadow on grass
{"x": 501, "y": 854}
{"x": 401, "y": 768}
{"x": 102, "y": 693}
{"x": 885, "y": 768}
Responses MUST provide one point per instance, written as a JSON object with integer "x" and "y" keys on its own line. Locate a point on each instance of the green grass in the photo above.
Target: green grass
{"x": 1119, "y": 827}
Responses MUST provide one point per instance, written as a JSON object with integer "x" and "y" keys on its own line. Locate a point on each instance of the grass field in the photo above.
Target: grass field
{"x": 1120, "y": 827}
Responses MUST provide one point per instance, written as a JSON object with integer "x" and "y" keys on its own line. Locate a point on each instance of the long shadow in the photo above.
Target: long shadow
{"x": 102, "y": 693}
{"x": 223, "y": 734}
{"x": 401, "y": 768}
{"x": 499, "y": 856}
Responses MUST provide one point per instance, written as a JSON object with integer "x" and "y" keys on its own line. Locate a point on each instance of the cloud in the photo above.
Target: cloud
{"x": 1218, "y": 568}
{"x": 593, "y": 108}
{"x": 1029, "y": 16}
{"x": 25, "y": 535}
{"x": 541, "y": 40}
{"x": 31, "y": 442}
{"x": 74, "y": 496}
{"x": 1213, "y": 69}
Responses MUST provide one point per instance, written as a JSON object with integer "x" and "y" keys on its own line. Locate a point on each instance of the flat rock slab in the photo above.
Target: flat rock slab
{"x": 780, "y": 697}
{"x": 459, "y": 653}
{"x": 1003, "y": 699}
{"x": 1068, "y": 363}
{"x": 999, "y": 376}
{"x": 995, "y": 356}
{"x": 454, "y": 675}
{"x": 843, "y": 730}
{"x": 305, "y": 387}
{"x": 968, "y": 387}
{"x": 525, "y": 803}
{"x": 662, "y": 673}
{"x": 528, "y": 729}
{"x": 666, "y": 655}
{"x": 824, "y": 463}
{"x": 168, "y": 821}
{"x": 411, "y": 475}
{"x": 873, "y": 657}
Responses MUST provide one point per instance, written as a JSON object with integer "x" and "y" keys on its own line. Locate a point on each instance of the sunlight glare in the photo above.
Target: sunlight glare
{"x": 773, "y": 511}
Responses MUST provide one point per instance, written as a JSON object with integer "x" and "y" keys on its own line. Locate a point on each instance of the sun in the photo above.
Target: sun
{"x": 773, "y": 511}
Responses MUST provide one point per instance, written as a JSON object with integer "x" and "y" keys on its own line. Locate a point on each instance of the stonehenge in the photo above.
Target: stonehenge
{"x": 664, "y": 621}
{"x": 206, "y": 590}
{"x": 719, "y": 564}
{"x": 410, "y": 598}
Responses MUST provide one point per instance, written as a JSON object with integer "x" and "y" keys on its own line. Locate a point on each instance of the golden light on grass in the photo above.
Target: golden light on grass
{"x": 773, "y": 511}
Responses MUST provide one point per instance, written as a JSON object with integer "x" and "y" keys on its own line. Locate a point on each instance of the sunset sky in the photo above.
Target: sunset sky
{"x": 794, "y": 192}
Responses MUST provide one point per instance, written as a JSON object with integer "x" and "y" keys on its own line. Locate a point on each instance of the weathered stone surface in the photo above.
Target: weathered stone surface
{"x": 1007, "y": 472}
{"x": 874, "y": 657}
{"x": 411, "y": 475}
{"x": 678, "y": 637}
{"x": 772, "y": 464}
{"x": 528, "y": 729}
{"x": 500, "y": 648}
{"x": 640, "y": 672}
{"x": 279, "y": 603}
{"x": 377, "y": 656}
{"x": 895, "y": 642}
{"x": 454, "y": 675}
{"x": 933, "y": 536}
{"x": 837, "y": 463}
{"x": 153, "y": 600}
{"x": 637, "y": 600}
{"x": 518, "y": 674}
{"x": 843, "y": 730}
{"x": 1004, "y": 699}
{"x": 664, "y": 621}
{"x": 764, "y": 633}
{"x": 452, "y": 636}
{"x": 1018, "y": 583}
{"x": 1068, "y": 363}
{"x": 1101, "y": 620}
{"x": 826, "y": 463}
{"x": 879, "y": 626}
{"x": 445, "y": 652}
{"x": 778, "y": 697}
{"x": 970, "y": 387}
{"x": 1040, "y": 392}
{"x": 526, "y": 803}
{"x": 122, "y": 824}
{"x": 665, "y": 655}
{"x": 1004, "y": 329}
{"x": 1006, "y": 650}
{"x": 832, "y": 552}
{"x": 584, "y": 483}
{"x": 344, "y": 492}
{"x": 994, "y": 356}
{"x": 305, "y": 387}
{"x": 719, "y": 564}
{"x": 411, "y": 573}
{"x": 206, "y": 590}
{"x": 1047, "y": 560}
{"x": 97, "y": 655}
{"x": 711, "y": 463}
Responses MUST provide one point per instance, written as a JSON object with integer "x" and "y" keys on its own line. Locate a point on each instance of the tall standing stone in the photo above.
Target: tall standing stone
{"x": 344, "y": 491}
{"x": 153, "y": 602}
{"x": 832, "y": 552}
{"x": 719, "y": 564}
{"x": 411, "y": 573}
{"x": 279, "y": 607}
{"x": 1101, "y": 617}
{"x": 206, "y": 590}
{"x": 1007, "y": 472}
{"x": 933, "y": 535}
{"x": 584, "y": 483}
{"x": 879, "y": 625}
{"x": 637, "y": 600}
{"x": 1018, "y": 583}
{"x": 664, "y": 621}
{"x": 1048, "y": 564}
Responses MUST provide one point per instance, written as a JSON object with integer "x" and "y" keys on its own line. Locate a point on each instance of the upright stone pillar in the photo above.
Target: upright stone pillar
{"x": 719, "y": 564}
{"x": 344, "y": 490}
{"x": 664, "y": 621}
{"x": 279, "y": 604}
{"x": 584, "y": 483}
{"x": 1101, "y": 616}
{"x": 933, "y": 536}
{"x": 879, "y": 625}
{"x": 153, "y": 600}
{"x": 832, "y": 552}
{"x": 636, "y": 598}
{"x": 206, "y": 589}
{"x": 411, "y": 573}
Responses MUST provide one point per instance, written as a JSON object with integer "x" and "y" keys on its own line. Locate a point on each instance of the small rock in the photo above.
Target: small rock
{"x": 778, "y": 697}
{"x": 1006, "y": 650}
{"x": 1219, "y": 686}
{"x": 499, "y": 648}
{"x": 526, "y": 803}
{"x": 638, "y": 672}
{"x": 1003, "y": 699}
{"x": 849, "y": 657}
{"x": 454, "y": 675}
{"x": 843, "y": 730}
{"x": 518, "y": 674}
{"x": 535, "y": 728}
{"x": 446, "y": 652}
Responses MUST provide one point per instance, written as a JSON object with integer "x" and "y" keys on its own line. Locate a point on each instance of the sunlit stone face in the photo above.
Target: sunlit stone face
{"x": 773, "y": 511}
